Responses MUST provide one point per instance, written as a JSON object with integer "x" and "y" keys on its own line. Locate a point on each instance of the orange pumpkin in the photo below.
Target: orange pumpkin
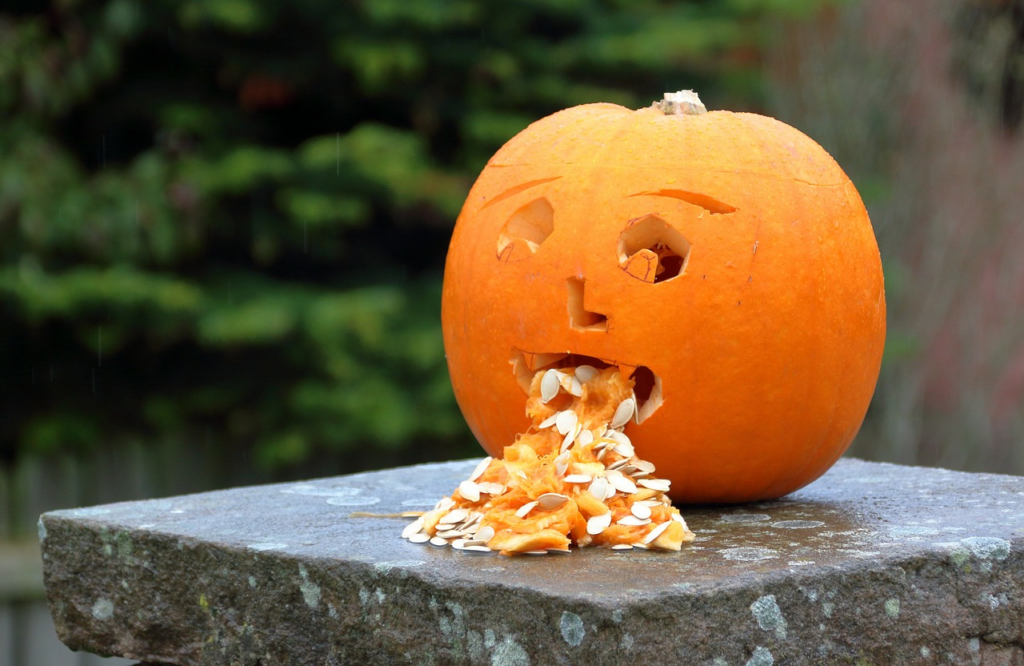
{"x": 723, "y": 260}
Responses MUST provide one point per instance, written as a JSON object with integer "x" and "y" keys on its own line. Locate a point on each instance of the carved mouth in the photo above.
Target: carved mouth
{"x": 647, "y": 385}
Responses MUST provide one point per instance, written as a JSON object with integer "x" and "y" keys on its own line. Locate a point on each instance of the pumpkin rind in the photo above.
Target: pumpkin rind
{"x": 769, "y": 342}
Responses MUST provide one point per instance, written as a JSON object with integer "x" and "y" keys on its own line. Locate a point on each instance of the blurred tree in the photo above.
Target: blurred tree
{"x": 231, "y": 215}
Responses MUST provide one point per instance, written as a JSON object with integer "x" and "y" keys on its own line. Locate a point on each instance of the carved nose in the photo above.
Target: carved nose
{"x": 580, "y": 318}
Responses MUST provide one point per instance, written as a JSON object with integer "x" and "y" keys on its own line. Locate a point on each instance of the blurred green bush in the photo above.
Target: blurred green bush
{"x": 231, "y": 216}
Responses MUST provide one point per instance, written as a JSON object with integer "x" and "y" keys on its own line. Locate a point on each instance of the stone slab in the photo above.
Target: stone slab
{"x": 871, "y": 564}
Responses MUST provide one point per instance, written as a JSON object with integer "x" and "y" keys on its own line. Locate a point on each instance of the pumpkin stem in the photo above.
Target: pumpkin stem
{"x": 682, "y": 103}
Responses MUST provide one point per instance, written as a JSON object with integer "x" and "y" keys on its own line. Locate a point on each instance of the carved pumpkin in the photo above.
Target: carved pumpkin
{"x": 723, "y": 260}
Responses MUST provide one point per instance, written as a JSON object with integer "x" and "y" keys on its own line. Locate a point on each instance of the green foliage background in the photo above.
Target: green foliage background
{"x": 230, "y": 217}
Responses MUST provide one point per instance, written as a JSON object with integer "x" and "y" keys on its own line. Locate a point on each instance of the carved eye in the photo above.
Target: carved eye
{"x": 526, "y": 230}
{"x": 651, "y": 250}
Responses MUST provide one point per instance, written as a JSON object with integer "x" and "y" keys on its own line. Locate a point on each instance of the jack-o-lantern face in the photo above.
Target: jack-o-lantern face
{"x": 724, "y": 261}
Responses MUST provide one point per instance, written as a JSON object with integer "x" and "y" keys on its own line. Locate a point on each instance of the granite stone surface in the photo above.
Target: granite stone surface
{"x": 872, "y": 564}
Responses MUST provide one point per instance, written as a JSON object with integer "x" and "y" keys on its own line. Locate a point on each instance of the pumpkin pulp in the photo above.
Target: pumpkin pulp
{"x": 571, "y": 478}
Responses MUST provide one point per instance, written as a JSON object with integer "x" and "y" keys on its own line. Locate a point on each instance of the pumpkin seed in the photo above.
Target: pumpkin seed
{"x": 585, "y": 438}
{"x": 450, "y": 534}
{"x": 598, "y": 524}
{"x": 578, "y": 478}
{"x": 549, "y": 421}
{"x": 479, "y": 548}
{"x": 438, "y": 541}
{"x": 621, "y": 483}
{"x": 454, "y": 516}
{"x": 643, "y": 466}
{"x": 601, "y": 489}
{"x": 625, "y": 450}
{"x": 623, "y": 413}
{"x": 644, "y": 494}
{"x": 525, "y": 509}
{"x": 549, "y": 385}
{"x": 570, "y": 437}
{"x": 633, "y": 521}
{"x": 562, "y": 463}
{"x": 622, "y": 444}
{"x": 656, "y": 532}
{"x": 470, "y": 491}
{"x": 617, "y": 437}
{"x": 481, "y": 468}
{"x": 641, "y": 511}
{"x": 566, "y": 421}
{"x": 485, "y": 534}
{"x": 549, "y": 501}
{"x": 420, "y": 537}
{"x": 660, "y": 485}
{"x": 585, "y": 373}
{"x": 412, "y": 528}
{"x": 622, "y": 546}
